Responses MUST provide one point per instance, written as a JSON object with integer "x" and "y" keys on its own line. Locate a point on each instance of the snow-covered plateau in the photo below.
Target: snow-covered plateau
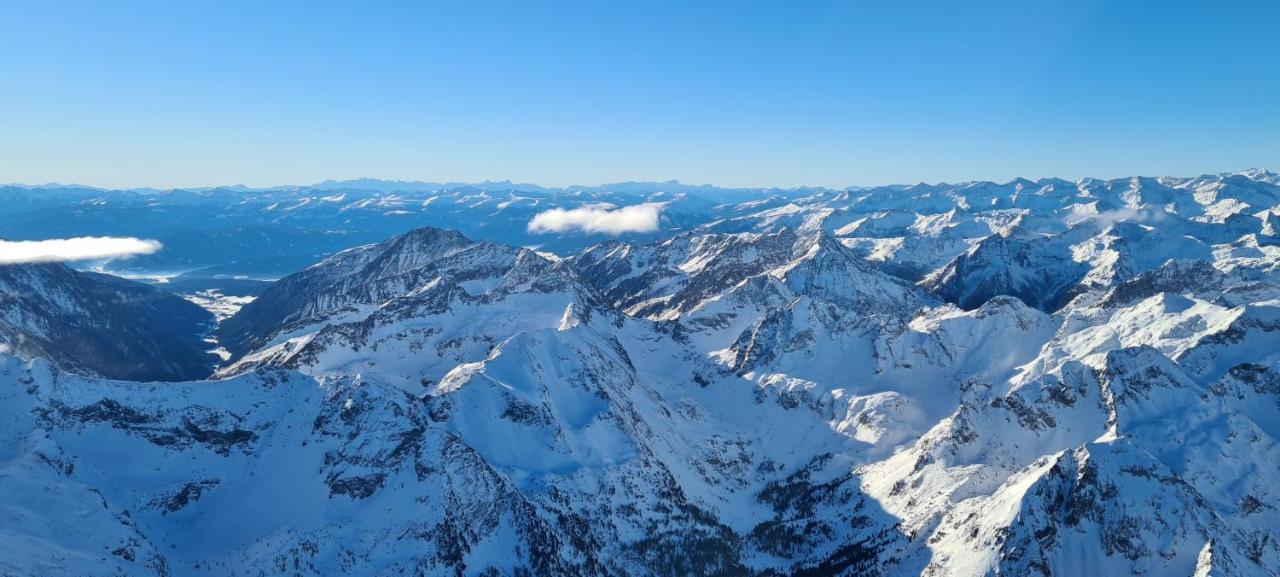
{"x": 1041, "y": 378}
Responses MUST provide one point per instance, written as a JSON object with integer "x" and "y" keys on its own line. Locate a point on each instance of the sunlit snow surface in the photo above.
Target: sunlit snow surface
{"x": 791, "y": 389}
{"x": 222, "y": 306}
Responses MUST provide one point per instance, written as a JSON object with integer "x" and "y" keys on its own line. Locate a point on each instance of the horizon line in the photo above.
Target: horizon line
{"x": 516, "y": 186}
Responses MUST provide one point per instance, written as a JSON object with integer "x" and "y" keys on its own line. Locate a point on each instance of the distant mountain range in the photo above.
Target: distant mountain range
{"x": 1043, "y": 378}
{"x": 268, "y": 233}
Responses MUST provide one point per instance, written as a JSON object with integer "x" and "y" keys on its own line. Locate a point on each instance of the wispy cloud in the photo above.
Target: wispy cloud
{"x": 599, "y": 218}
{"x": 72, "y": 249}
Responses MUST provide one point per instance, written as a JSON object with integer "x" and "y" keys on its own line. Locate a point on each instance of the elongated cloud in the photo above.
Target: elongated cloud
{"x": 599, "y": 218}
{"x": 71, "y": 249}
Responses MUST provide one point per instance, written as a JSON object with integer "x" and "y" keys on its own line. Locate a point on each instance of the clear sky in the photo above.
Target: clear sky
{"x": 127, "y": 93}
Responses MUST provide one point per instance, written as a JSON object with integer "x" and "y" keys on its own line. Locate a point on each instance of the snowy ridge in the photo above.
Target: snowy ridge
{"x": 1028, "y": 378}
{"x": 101, "y": 325}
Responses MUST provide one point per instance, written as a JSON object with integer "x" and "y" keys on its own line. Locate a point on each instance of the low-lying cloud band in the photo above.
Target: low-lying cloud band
{"x": 73, "y": 249}
{"x": 600, "y": 218}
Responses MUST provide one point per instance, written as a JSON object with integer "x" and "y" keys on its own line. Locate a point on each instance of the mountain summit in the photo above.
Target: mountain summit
{"x": 1040, "y": 378}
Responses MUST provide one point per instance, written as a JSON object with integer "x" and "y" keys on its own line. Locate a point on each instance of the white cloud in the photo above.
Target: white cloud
{"x": 599, "y": 218}
{"x": 70, "y": 249}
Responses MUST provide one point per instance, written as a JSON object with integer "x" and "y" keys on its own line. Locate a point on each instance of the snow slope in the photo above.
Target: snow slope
{"x": 1027, "y": 378}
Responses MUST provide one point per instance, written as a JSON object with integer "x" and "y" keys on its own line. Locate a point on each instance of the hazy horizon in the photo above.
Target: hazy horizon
{"x": 573, "y": 185}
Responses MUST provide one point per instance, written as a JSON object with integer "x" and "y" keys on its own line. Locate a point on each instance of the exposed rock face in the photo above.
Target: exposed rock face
{"x": 769, "y": 394}
{"x": 103, "y": 325}
{"x": 1035, "y": 269}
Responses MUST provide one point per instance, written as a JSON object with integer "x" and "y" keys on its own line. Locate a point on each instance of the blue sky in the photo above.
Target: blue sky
{"x": 128, "y": 93}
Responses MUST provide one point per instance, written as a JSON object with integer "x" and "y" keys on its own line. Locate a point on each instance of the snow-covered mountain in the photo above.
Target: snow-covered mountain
{"x": 1027, "y": 378}
{"x": 101, "y": 325}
